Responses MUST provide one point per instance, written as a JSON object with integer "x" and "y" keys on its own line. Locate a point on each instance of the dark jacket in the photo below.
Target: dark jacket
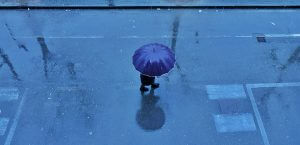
{"x": 147, "y": 80}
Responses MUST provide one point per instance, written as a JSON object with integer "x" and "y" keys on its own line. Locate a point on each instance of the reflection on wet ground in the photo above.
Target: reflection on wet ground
{"x": 150, "y": 117}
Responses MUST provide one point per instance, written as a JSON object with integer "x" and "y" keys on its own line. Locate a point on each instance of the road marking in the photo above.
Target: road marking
{"x": 9, "y": 94}
{"x": 69, "y": 89}
{"x": 231, "y": 123}
{"x": 225, "y": 92}
{"x": 234, "y": 122}
{"x": 270, "y": 85}
{"x": 16, "y": 120}
{"x": 257, "y": 115}
{"x": 3, "y": 125}
{"x": 63, "y": 37}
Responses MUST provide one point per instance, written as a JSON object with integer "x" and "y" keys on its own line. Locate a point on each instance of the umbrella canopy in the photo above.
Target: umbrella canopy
{"x": 154, "y": 59}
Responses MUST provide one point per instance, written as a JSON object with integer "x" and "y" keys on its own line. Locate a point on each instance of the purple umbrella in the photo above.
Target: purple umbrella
{"x": 153, "y": 59}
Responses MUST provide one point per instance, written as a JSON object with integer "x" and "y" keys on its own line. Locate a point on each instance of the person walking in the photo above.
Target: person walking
{"x": 152, "y": 60}
{"x": 147, "y": 81}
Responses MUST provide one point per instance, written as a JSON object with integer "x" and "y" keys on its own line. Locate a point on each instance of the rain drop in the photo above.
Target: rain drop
{"x": 273, "y": 23}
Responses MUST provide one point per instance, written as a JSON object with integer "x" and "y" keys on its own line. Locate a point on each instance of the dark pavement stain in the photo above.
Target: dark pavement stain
{"x": 12, "y": 35}
{"x": 176, "y": 24}
{"x": 175, "y": 31}
{"x": 71, "y": 70}
{"x": 10, "y": 65}
{"x": 274, "y": 57}
{"x": 294, "y": 57}
{"x": 150, "y": 117}
{"x": 273, "y": 54}
{"x": 196, "y": 35}
{"x": 263, "y": 102}
{"x": 46, "y": 54}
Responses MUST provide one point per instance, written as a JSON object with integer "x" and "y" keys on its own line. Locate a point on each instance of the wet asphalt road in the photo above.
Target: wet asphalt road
{"x": 112, "y": 3}
{"x": 67, "y": 77}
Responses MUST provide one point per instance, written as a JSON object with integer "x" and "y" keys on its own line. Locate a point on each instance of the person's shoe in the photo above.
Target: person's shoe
{"x": 144, "y": 89}
{"x": 154, "y": 85}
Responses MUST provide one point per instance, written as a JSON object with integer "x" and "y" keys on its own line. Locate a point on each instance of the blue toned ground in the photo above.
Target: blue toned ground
{"x": 67, "y": 77}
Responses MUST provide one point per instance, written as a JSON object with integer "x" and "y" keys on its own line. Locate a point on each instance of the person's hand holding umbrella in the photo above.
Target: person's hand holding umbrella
{"x": 153, "y": 60}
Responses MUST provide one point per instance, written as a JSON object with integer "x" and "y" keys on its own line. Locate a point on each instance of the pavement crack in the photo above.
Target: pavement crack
{"x": 7, "y": 61}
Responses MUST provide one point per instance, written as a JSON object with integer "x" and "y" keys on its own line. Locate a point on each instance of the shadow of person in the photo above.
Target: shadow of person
{"x": 150, "y": 117}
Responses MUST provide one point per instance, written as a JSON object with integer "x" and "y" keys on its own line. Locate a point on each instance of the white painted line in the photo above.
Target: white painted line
{"x": 16, "y": 120}
{"x": 269, "y": 85}
{"x": 225, "y": 92}
{"x": 257, "y": 115}
{"x": 282, "y": 35}
{"x": 162, "y": 36}
{"x": 9, "y": 94}
{"x": 62, "y": 37}
{"x": 69, "y": 89}
{"x": 234, "y": 122}
{"x": 3, "y": 125}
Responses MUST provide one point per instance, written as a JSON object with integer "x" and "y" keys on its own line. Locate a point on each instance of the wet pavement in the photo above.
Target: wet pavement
{"x": 67, "y": 77}
{"x": 113, "y": 3}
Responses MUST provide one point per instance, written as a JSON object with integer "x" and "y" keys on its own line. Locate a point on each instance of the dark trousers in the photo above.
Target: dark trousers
{"x": 147, "y": 80}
